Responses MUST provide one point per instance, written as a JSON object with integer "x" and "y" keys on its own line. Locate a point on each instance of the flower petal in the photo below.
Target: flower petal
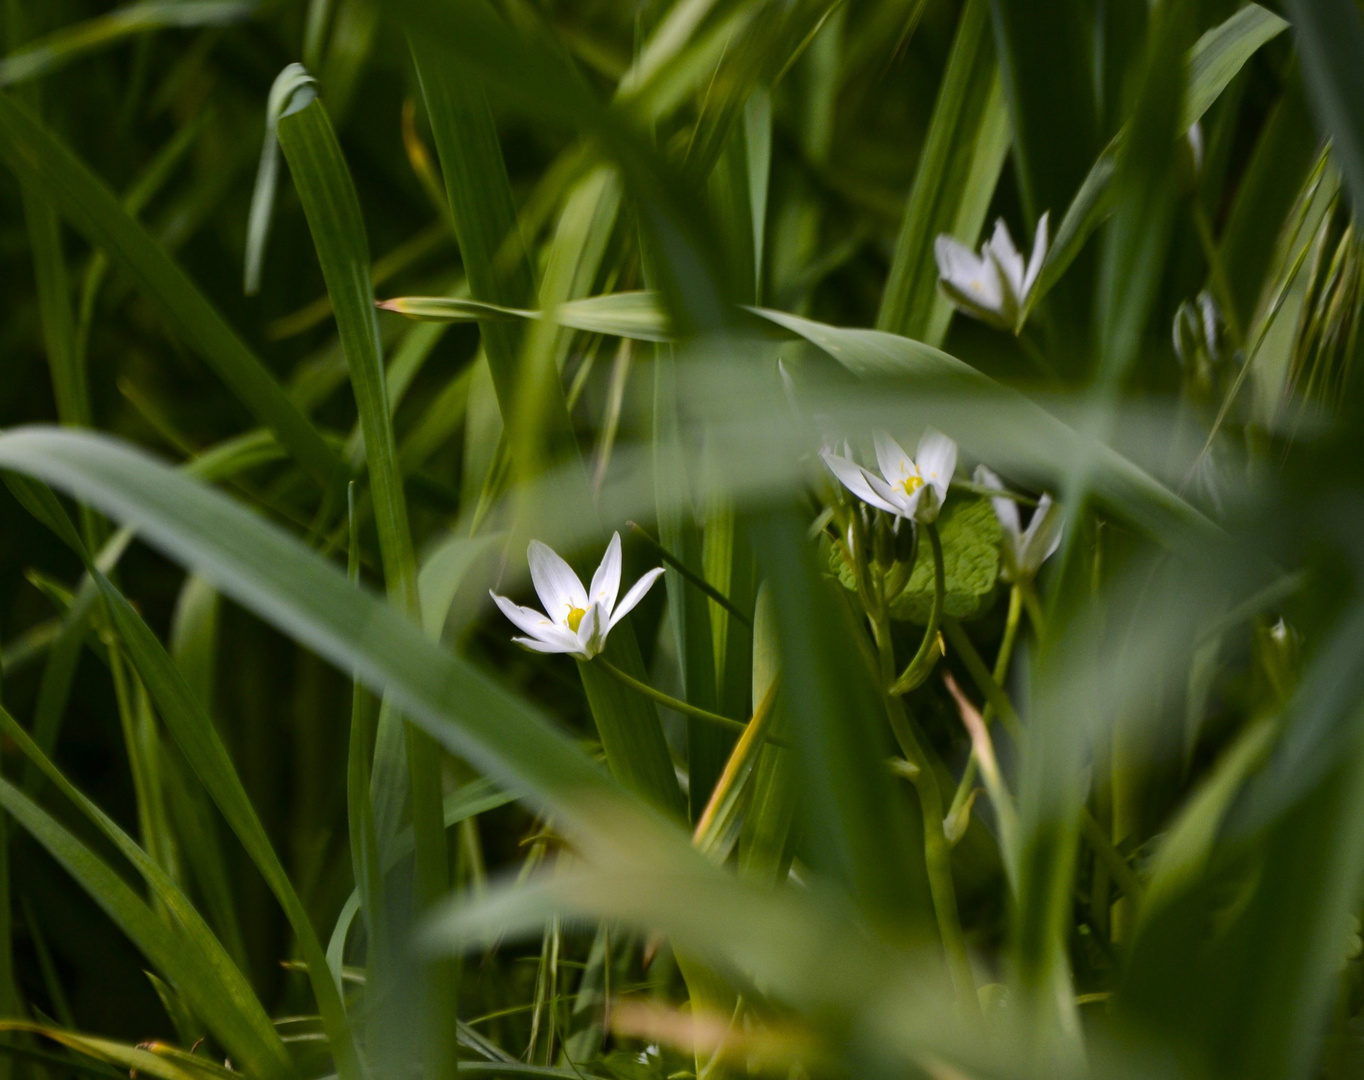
{"x": 592, "y": 632}
{"x": 534, "y": 645}
{"x": 1039, "y": 256}
{"x": 937, "y": 457}
{"x": 527, "y": 620}
{"x": 900, "y": 502}
{"x": 558, "y": 586}
{"x": 973, "y": 283}
{"x": 1006, "y": 256}
{"x": 857, "y": 480}
{"x": 634, "y": 596}
{"x": 1006, "y": 510}
{"x": 1043, "y": 536}
{"x": 606, "y": 581}
{"x": 896, "y": 464}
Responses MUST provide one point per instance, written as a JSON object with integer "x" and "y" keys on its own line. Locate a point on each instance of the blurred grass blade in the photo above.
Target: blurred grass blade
{"x": 1330, "y": 37}
{"x": 1043, "y": 54}
{"x": 689, "y": 609}
{"x": 83, "y": 199}
{"x": 1215, "y": 59}
{"x": 228, "y": 1008}
{"x": 470, "y": 41}
{"x": 491, "y": 247}
{"x": 294, "y": 80}
{"x": 858, "y": 830}
{"x": 763, "y": 840}
{"x": 135, "y": 1059}
{"x": 1187, "y": 848}
{"x": 1218, "y": 56}
{"x": 60, "y": 48}
{"x": 1144, "y": 203}
{"x": 869, "y": 353}
{"x": 953, "y": 182}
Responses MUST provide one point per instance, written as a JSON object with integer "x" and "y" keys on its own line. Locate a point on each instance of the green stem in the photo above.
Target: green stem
{"x": 937, "y": 851}
{"x": 1033, "y": 606}
{"x": 1006, "y": 648}
{"x": 668, "y": 700}
{"x": 994, "y": 695}
{"x": 695, "y": 579}
{"x": 929, "y": 649}
{"x": 1112, "y": 858}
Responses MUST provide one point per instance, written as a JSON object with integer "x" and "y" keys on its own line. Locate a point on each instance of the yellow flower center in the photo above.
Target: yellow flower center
{"x": 575, "y": 618}
{"x": 911, "y": 484}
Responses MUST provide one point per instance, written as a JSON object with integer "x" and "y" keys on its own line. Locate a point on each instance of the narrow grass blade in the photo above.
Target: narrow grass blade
{"x": 30, "y": 151}
{"x": 72, "y": 42}
{"x": 968, "y": 109}
{"x": 1330, "y": 35}
{"x": 1214, "y": 60}
{"x": 210, "y": 981}
{"x": 135, "y": 1059}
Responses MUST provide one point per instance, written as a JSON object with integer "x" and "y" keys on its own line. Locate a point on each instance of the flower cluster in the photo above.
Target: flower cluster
{"x": 577, "y": 620}
{"x": 916, "y": 488}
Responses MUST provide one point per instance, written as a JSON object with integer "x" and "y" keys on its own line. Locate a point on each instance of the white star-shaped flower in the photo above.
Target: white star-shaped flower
{"x": 907, "y": 487}
{"x": 1024, "y": 551}
{"x": 994, "y": 285}
{"x": 576, "y": 620}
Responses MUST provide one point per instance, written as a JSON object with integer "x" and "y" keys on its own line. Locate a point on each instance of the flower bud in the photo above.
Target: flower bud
{"x": 906, "y": 542}
{"x": 884, "y": 542}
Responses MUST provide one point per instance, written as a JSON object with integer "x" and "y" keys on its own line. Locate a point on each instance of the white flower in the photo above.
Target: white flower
{"x": 576, "y": 620}
{"x": 1024, "y": 551}
{"x": 909, "y": 489}
{"x": 994, "y": 285}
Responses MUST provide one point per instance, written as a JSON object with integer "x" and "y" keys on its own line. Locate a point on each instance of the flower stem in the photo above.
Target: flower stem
{"x": 667, "y": 699}
{"x": 930, "y": 648}
{"x": 695, "y": 579}
{"x": 1006, "y": 648}
{"x": 1094, "y": 835}
{"x": 937, "y": 851}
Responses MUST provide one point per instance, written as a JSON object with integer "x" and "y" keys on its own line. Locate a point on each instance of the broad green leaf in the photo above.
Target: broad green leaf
{"x": 86, "y": 202}
{"x": 970, "y": 541}
{"x": 873, "y": 353}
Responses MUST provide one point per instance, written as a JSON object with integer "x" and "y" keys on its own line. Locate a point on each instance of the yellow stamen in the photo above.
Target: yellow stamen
{"x": 911, "y": 484}
{"x": 575, "y": 618}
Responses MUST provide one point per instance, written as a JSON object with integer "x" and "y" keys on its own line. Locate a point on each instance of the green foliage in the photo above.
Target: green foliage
{"x": 280, "y": 798}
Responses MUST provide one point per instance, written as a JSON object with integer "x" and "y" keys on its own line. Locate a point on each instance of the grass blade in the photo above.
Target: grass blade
{"x": 86, "y": 202}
